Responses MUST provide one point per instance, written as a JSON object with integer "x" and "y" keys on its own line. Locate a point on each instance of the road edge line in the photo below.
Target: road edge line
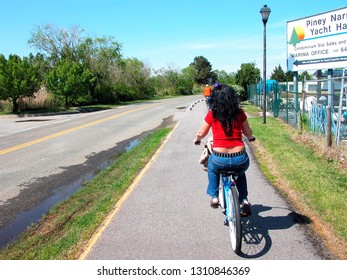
{"x": 88, "y": 247}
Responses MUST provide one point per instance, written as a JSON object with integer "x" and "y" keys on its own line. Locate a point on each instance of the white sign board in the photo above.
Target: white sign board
{"x": 318, "y": 42}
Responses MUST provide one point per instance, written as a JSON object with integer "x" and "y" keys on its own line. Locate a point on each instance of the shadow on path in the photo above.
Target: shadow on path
{"x": 255, "y": 230}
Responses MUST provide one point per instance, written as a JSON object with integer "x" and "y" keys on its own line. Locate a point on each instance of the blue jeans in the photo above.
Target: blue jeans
{"x": 216, "y": 163}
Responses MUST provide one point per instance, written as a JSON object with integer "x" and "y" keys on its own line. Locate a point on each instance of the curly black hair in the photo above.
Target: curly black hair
{"x": 225, "y": 106}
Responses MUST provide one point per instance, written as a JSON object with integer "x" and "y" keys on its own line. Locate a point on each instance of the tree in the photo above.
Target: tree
{"x": 135, "y": 80}
{"x": 171, "y": 76}
{"x": 204, "y": 73}
{"x": 185, "y": 83}
{"x": 305, "y": 76}
{"x": 175, "y": 82}
{"x": 189, "y": 72}
{"x": 58, "y": 44}
{"x": 40, "y": 63}
{"x": 18, "y": 79}
{"x": 225, "y": 78}
{"x": 101, "y": 56}
{"x": 289, "y": 76}
{"x": 70, "y": 80}
{"x": 278, "y": 74}
{"x": 248, "y": 74}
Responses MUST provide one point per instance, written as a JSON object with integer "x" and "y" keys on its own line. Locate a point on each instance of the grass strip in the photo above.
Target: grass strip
{"x": 320, "y": 185}
{"x": 63, "y": 232}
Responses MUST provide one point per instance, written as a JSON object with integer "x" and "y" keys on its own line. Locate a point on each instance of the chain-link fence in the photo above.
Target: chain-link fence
{"x": 310, "y": 106}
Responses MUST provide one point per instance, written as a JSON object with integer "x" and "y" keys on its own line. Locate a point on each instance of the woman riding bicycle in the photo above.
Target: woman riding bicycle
{"x": 228, "y": 122}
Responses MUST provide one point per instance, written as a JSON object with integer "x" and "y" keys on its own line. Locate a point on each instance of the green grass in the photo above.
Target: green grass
{"x": 250, "y": 109}
{"x": 64, "y": 231}
{"x": 322, "y": 185}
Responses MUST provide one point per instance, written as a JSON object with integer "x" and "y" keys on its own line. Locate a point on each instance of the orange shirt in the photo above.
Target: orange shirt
{"x": 207, "y": 91}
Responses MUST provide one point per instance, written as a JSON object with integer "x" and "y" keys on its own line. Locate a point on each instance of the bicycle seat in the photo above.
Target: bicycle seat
{"x": 230, "y": 172}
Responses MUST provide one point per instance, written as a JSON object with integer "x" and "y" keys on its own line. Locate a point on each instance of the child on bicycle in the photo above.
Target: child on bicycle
{"x": 228, "y": 122}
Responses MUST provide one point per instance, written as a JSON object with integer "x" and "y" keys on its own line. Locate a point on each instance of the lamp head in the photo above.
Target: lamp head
{"x": 265, "y": 13}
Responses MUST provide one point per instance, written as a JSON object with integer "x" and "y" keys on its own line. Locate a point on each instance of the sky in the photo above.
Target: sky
{"x": 167, "y": 33}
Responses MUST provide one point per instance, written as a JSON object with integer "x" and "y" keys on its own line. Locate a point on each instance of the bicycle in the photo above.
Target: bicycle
{"x": 230, "y": 205}
{"x": 229, "y": 202}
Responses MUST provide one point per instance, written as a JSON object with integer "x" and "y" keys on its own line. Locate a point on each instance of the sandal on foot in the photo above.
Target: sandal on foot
{"x": 245, "y": 209}
{"x": 214, "y": 202}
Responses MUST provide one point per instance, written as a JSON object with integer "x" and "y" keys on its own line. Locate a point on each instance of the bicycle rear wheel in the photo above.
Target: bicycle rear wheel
{"x": 234, "y": 219}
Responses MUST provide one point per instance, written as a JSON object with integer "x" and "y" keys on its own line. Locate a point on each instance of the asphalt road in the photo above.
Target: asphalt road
{"x": 166, "y": 213}
{"x": 44, "y": 159}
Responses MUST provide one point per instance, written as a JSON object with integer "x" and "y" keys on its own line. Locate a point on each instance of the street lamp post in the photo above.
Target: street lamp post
{"x": 265, "y": 13}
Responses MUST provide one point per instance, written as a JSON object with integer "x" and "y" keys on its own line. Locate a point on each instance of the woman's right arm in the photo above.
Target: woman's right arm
{"x": 203, "y": 131}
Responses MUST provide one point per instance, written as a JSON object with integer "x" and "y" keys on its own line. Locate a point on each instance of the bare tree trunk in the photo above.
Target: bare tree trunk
{"x": 15, "y": 105}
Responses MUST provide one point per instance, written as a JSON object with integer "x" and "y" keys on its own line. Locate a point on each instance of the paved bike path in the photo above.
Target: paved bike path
{"x": 167, "y": 215}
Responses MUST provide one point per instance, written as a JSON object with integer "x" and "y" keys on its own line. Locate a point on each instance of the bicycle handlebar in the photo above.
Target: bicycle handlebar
{"x": 196, "y": 142}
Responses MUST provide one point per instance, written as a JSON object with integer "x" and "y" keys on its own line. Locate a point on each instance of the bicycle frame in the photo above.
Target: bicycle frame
{"x": 227, "y": 182}
{"x": 230, "y": 205}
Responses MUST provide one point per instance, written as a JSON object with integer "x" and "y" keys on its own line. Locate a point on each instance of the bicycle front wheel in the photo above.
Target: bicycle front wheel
{"x": 234, "y": 219}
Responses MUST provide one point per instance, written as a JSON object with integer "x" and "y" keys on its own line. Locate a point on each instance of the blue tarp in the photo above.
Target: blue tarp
{"x": 270, "y": 84}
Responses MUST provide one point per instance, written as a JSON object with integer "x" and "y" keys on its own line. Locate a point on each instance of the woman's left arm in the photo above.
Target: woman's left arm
{"x": 246, "y": 130}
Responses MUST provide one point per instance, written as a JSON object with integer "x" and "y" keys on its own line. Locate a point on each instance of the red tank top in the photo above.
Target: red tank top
{"x": 220, "y": 140}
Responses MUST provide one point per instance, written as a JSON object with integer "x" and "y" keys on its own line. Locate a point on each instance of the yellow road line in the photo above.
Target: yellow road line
{"x": 55, "y": 135}
{"x": 120, "y": 202}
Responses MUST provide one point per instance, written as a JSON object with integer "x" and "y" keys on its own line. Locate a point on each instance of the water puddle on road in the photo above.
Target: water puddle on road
{"x": 85, "y": 172}
{"x": 132, "y": 145}
{"x": 27, "y": 218}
